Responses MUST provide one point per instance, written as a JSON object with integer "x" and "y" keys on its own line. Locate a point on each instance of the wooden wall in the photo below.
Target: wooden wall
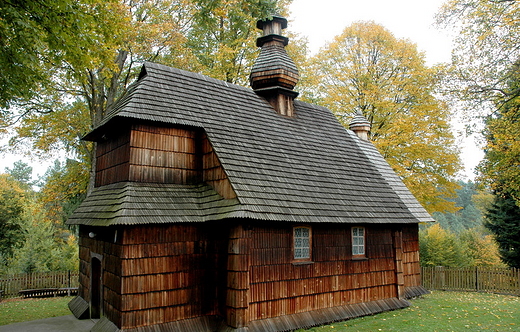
{"x": 154, "y": 274}
{"x": 84, "y": 263}
{"x": 411, "y": 266}
{"x": 145, "y": 153}
{"x": 112, "y": 159}
{"x": 164, "y": 155}
{"x": 151, "y": 154}
{"x": 279, "y": 287}
{"x": 213, "y": 172}
{"x": 101, "y": 246}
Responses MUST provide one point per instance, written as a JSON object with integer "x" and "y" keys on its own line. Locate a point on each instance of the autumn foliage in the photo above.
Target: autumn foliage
{"x": 367, "y": 69}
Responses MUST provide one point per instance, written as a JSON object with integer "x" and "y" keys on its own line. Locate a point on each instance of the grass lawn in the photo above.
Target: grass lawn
{"x": 18, "y": 310}
{"x": 442, "y": 311}
{"x": 439, "y": 311}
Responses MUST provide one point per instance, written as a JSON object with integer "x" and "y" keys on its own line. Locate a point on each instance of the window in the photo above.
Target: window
{"x": 302, "y": 243}
{"x": 358, "y": 241}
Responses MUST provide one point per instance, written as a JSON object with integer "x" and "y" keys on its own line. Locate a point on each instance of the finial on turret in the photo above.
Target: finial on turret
{"x": 360, "y": 125}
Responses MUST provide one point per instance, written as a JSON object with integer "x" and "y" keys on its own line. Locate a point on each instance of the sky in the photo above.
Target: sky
{"x": 321, "y": 20}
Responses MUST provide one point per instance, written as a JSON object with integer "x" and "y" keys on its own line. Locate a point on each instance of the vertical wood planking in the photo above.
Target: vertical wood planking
{"x": 398, "y": 249}
{"x": 164, "y": 155}
{"x": 213, "y": 172}
{"x": 279, "y": 287}
{"x": 472, "y": 279}
{"x": 238, "y": 270}
{"x": 112, "y": 159}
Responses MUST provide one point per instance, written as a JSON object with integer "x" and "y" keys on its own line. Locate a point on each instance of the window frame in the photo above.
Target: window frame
{"x": 294, "y": 237}
{"x": 355, "y": 243}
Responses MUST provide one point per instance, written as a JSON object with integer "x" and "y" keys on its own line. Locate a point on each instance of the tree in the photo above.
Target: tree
{"x": 12, "y": 209}
{"x": 33, "y": 237}
{"x": 486, "y": 51}
{"x": 503, "y": 219}
{"x": 40, "y": 37}
{"x": 438, "y": 247}
{"x": 481, "y": 247}
{"x": 22, "y": 173}
{"x": 224, "y": 34}
{"x": 63, "y": 191}
{"x": 367, "y": 69}
{"x": 43, "y": 250}
{"x": 164, "y": 31}
{"x": 469, "y": 215}
{"x": 500, "y": 167}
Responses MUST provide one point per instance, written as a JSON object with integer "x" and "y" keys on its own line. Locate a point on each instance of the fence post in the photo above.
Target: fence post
{"x": 476, "y": 279}
{"x": 68, "y": 284}
{"x": 440, "y": 280}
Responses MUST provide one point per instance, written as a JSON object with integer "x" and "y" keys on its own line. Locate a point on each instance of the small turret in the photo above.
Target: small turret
{"x": 360, "y": 126}
{"x": 274, "y": 74}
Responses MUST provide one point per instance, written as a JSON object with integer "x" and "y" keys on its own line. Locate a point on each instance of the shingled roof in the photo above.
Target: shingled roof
{"x": 306, "y": 168}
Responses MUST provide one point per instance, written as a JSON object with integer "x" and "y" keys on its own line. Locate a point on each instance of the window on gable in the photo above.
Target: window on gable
{"x": 302, "y": 237}
{"x": 358, "y": 241}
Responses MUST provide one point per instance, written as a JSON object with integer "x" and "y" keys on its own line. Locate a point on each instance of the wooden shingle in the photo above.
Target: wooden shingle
{"x": 307, "y": 168}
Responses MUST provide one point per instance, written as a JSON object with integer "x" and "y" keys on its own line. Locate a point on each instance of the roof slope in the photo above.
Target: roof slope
{"x": 306, "y": 168}
{"x": 142, "y": 203}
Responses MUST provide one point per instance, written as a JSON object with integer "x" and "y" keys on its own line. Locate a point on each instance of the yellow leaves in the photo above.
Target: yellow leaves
{"x": 7, "y": 183}
{"x": 501, "y": 165}
{"x": 482, "y": 249}
{"x": 366, "y": 68}
{"x": 57, "y": 130}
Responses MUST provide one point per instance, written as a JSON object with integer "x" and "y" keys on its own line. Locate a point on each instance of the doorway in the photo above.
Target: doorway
{"x": 95, "y": 288}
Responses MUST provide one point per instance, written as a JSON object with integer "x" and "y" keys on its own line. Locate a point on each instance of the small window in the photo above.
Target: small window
{"x": 302, "y": 243}
{"x": 358, "y": 241}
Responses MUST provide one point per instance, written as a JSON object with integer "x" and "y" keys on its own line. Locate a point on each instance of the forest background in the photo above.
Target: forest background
{"x": 64, "y": 63}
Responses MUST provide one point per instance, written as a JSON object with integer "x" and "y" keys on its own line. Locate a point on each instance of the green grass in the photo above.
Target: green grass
{"x": 439, "y": 311}
{"x": 17, "y": 310}
{"x": 442, "y": 311}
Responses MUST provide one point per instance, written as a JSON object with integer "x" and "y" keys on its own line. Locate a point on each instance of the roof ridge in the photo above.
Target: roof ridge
{"x": 195, "y": 75}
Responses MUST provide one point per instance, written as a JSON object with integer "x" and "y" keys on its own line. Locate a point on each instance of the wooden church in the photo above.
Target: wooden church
{"x": 222, "y": 208}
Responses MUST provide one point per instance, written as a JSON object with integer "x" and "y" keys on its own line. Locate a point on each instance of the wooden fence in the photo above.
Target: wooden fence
{"x": 479, "y": 279}
{"x": 493, "y": 280}
{"x": 12, "y": 284}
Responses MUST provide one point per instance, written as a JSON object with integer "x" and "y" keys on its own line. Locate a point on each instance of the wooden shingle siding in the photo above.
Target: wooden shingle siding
{"x": 150, "y": 154}
{"x": 238, "y": 270}
{"x": 214, "y": 173}
{"x": 168, "y": 273}
{"x": 411, "y": 265}
{"x": 333, "y": 278}
{"x": 164, "y": 155}
{"x": 153, "y": 275}
{"x": 112, "y": 160}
